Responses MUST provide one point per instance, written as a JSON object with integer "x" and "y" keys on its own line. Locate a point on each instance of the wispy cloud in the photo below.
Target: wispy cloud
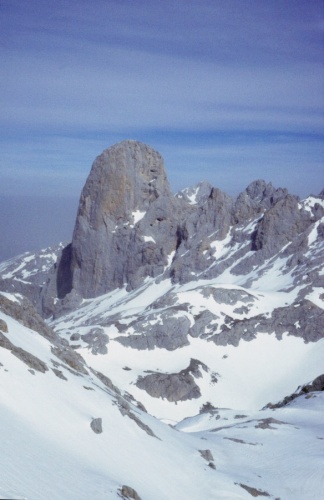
{"x": 80, "y": 75}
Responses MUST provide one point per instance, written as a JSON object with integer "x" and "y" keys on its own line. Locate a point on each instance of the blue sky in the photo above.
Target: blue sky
{"x": 227, "y": 91}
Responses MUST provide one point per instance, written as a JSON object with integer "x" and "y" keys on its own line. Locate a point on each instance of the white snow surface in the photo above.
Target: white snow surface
{"x": 309, "y": 203}
{"x": 190, "y": 194}
{"x": 48, "y": 449}
{"x": 137, "y": 216}
{"x": 148, "y": 239}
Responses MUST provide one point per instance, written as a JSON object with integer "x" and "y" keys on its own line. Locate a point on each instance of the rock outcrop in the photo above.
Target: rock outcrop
{"x": 317, "y": 385}
{"x": 124, "y": 230}
{"x": 174, "y": 386}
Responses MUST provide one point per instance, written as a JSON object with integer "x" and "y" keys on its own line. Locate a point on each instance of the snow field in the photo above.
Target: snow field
{"x": 249, "y": 376}
{"x": 49, "y": 440}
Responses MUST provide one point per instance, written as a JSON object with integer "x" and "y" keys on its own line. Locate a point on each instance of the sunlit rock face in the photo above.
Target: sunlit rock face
{"x": 124, "y": 228}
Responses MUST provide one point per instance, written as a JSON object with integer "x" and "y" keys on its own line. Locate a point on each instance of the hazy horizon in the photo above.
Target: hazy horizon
{"x": 39, "y": 222}
{"x": 42, "y": 221}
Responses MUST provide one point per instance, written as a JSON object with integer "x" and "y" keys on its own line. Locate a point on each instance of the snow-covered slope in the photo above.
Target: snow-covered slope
{"x": 49, "y": 450}
{"x": 28, "y": 272}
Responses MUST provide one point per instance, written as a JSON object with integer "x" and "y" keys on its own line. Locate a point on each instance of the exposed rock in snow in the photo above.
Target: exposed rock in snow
{"x": 27, "y": 273}
{"x": 174, "y": 386}
{"x": 129, "y": 493}
{"x": 29, "y": 359}
{"x": 24, "y": 312}
{"x": 96, "y": 425}
{"x": 316, "y": 385}
{"x": 97, "y": 340}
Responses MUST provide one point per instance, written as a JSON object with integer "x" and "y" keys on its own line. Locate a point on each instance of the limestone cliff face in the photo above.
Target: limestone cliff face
{"x": 127, "y": 177}
{"x": 124, "y": 228}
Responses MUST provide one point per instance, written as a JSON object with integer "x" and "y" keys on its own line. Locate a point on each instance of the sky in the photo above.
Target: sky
{"x": 227, "y": 92}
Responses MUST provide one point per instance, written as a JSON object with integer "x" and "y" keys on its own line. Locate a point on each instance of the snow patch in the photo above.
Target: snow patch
{"x": 148, "y": 239}
{"x": 137, "y": 216}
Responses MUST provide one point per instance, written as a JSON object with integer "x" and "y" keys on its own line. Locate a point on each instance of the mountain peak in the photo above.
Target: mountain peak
{"x": 126, "y": 188}
{"x": 126, "y": 177}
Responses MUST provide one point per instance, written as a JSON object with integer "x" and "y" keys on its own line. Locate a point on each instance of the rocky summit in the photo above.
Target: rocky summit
{"x": 177, "y": 332}
{"x": 127, "y": 183}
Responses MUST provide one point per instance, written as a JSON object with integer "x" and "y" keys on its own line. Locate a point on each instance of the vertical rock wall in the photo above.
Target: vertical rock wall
{"x": 123, "y": 230}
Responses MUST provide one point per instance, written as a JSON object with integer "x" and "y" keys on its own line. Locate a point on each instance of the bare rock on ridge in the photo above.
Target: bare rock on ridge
{"x": 280, "y": 224}
{"x": 256, "y": 198}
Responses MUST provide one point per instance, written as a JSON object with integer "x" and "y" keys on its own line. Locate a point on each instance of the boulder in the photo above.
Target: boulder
{"x": 96, "y": 425}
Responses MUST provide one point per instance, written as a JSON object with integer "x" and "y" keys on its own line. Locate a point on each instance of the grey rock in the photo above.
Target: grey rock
{"x": 59, "y": 374}
{"x": 63, "y": 276}
{"x": 70, "y": 358}
{"x": 70, "y": 302}
{"x": 129, "y": 493}
{"x": 195, "y": 195}
{"x": 106, "y": 381}
{"x": 201, "y": 327}
{"x": 26, "y": 357}
{"x": 57, "y": 296}
{"x": 316, "y": 385}
{"x": 3, "y": 326}
{"x": 97, "y": 341}
{"x": 280, "y": 224}
{"x": 96, "y": 425}
{"x": 303, "y": 319}
{"x": 233, "y": 331}
{"x": 228, "y": 296}
{"x": 207, "y": 455}
{"x": 27, "y": 274}
{"x": 125, "y": 409}
{"x": 24, "y": 312}
{"x": 108, "y": 247}
{"x": 169, "y": 333}
{"x": 320, "y": 230}
{"x": 75, "y": 337}
{"x": 193, "y": 250}
{"x": 173, "y": 386}
{"x": 113, "y": 247}
{"x": 208, "y": 408}
{"x": 257, "y": 197}
{"x": 254, "y": 492}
